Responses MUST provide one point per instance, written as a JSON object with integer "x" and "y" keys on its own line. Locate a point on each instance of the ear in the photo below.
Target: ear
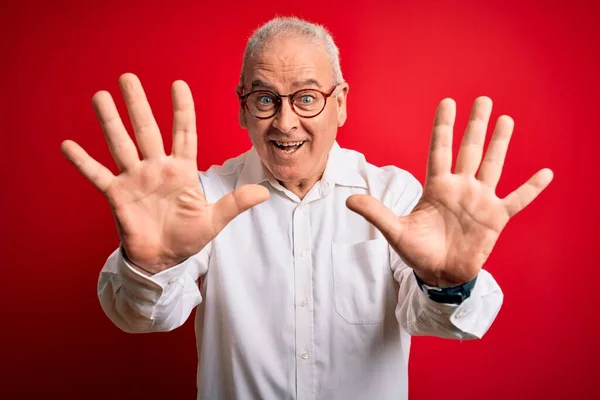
{"x": 242, "y": 113}
{"x": 242, "y": 118}
{"x": 340, "y": 99}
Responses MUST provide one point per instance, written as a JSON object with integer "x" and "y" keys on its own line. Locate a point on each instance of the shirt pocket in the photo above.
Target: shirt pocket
{"x": 359, "y": 272}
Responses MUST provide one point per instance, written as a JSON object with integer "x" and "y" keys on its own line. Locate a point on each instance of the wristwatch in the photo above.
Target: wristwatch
{"x": 449, "y": 295}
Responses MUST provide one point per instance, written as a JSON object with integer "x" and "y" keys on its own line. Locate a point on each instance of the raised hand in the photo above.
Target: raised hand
{"x": 161, "y": 214}
{"x": 455, "y": 225}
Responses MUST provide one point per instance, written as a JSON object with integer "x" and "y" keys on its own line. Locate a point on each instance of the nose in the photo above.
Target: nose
{"x": 286, "y": 120}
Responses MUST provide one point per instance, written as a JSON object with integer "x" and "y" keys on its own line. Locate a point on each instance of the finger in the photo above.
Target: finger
{"x": 527, "y": 192}
{"x": 95, "y": 172}
{"x": 146, "y": 130}
{"x": 440, "y": 149}
{"x": 382, "y": 217}
{"x": 236, "y": 202}
{"x": 185, "y": 138}
{"x": 471, "y": 147}
{"x": 119, "y": 142}
{"x": 493, "y": 161}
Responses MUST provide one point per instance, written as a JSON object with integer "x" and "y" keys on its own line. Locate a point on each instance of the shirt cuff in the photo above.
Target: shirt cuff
{"x": 150, "y": 288}
{"x": 475, "y": 314}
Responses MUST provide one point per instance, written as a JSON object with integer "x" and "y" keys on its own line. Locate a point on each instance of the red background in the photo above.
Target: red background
{"x": 537, "y": 60}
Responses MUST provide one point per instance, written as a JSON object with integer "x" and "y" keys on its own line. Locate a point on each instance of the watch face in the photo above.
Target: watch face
{"x": 446, "y": 298}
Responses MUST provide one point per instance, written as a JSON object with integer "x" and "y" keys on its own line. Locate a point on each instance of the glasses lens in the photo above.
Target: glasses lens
{"x": 262, "y": 104}
{"x": 308, "y": 102}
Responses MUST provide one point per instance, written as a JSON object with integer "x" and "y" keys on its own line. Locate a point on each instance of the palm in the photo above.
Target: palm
{"x": 455, "y": 225}
{"x": 161, "y": 214}
{"x": 154, "y": 218}
{"x": 453, "y": 228}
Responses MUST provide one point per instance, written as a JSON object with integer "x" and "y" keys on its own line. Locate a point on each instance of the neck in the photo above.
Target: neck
{"x": 301, "y": 188}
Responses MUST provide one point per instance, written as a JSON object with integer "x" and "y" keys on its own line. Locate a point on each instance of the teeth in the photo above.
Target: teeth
{"x": 286, "y": 144}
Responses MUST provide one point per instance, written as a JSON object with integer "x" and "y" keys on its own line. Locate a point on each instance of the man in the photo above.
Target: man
{"x": 301, "y": 296}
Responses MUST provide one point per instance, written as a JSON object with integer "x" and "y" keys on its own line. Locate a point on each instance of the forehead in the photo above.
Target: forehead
{"x": 288, "y": 63}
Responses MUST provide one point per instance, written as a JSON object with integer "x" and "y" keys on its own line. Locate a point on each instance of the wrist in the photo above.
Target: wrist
{"x": 147, "y": 270}
{"x": 442, "y": 280}
{"x": 455, "y": 294}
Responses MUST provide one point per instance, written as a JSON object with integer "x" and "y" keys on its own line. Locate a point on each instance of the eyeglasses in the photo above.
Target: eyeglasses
{"x": 306, "y": 103}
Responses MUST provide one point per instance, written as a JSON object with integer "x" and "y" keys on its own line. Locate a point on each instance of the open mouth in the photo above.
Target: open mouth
{"x": 287, "y": 147}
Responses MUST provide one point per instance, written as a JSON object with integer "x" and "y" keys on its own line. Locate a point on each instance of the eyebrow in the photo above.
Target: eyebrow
{"x": 307, "y": 82}
{"x": 257, "y": 83}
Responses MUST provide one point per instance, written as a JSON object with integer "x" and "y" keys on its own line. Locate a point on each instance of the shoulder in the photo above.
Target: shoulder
{"x": 219, "y": 180}
{"x": 397, "y": 188}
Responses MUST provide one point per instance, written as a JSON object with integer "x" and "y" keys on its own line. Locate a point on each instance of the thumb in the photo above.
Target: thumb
{"x": 373, "y": 210}
{"x": 233, "y": 204}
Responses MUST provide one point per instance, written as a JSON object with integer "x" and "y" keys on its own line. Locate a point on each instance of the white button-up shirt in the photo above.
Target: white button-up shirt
{"x": 300, "y": 299}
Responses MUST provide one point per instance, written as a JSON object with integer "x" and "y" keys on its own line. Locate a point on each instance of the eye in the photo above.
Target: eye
{"x": 307, "y": 99}
{"x": 265, "y": 100}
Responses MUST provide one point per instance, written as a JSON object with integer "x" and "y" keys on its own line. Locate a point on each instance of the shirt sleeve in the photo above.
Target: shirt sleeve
{"x": 419, "y": 315}
{"x": 162, "y": 302}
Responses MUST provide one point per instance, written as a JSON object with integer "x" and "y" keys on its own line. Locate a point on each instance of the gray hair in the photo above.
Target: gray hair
{"x": 289, "y": 26}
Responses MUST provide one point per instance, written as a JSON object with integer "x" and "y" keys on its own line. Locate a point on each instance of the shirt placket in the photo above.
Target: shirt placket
{"x": 305, "y": 377}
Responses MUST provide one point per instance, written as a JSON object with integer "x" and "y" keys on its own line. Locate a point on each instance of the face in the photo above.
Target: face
{"x": 287, "y": 66}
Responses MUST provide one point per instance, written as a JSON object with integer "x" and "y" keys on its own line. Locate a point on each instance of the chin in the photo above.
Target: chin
{"x": 286, "y": 174}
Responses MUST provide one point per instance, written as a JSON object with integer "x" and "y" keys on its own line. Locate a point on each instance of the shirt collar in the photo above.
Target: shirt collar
{"x": 253, "y": 171}
{"x": 342, "y": 169}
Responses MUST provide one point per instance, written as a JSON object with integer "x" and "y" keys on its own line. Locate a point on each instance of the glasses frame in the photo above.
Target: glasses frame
{"x": 244, "y": 100}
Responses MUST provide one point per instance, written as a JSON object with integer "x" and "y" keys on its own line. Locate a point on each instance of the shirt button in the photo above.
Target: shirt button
{"x": 461, "y": 314}
{"x": 303, "y": 303}
{"x": 303, "y": 253}
{"x": 304, "y": 355}
{"x": 172, "y": 281}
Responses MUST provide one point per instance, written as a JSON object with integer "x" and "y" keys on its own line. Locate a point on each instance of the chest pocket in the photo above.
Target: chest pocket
{"x": 360, "y": 273}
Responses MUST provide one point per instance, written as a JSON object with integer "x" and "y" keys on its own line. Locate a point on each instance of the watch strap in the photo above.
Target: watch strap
{"x": 448, "y": 295}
